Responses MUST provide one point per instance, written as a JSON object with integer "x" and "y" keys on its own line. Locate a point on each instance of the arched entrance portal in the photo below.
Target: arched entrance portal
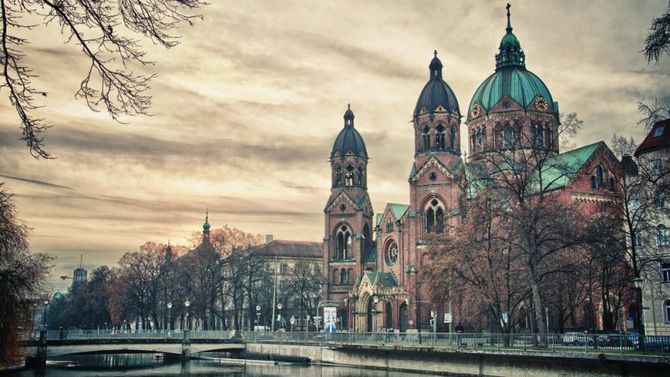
{"x": 368, "y": 322}
{"x": 403, "y": 317}
{"x": 388, "y": 310}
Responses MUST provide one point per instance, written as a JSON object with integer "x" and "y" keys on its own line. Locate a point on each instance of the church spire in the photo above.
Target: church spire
{"x": 205, "y": 227}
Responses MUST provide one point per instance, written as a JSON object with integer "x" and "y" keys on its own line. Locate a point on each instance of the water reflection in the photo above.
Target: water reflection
{"x": 136, "y": 365}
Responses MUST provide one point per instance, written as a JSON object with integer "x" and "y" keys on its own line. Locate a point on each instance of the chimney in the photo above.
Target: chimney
{"x": 268, "y": 238}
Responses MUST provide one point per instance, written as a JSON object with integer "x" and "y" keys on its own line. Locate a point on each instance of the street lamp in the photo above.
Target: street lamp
{"x": 279, "y": 306}
{"x": 169, "y": 324}
{"x": 638, "y": 283}
{"x": 411, "y": 270}
{"x": 258, "y": 315}
{"x": 44, "y": 315}
{"x": 187, "y": 303}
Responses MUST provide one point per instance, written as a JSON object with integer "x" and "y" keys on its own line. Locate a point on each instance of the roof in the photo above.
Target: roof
{"x": 386, "y": 279}
{"x": 378, "y": 219}
{"x": 349, "y": 141}
{"x": 559, "y": 170}
{"x": 657, "y": 139}
{"x": 436, "y": 93}
{"x": 359, "y": 201}
{"x": 397, "y": 209}
{"x": 517, "y": 83}
{"x": 297, "y": 249}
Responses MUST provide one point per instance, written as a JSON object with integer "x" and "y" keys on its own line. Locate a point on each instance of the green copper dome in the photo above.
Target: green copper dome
{"x": 511, "y": 78}
{"x": 517, "y": 83}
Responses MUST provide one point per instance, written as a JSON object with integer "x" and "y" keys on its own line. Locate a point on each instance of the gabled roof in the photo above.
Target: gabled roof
{"x": 658, "y": 138}
{"x": 378, "y": 218}
{"x": 397, "y": 209}
{"x": 359, "y": 202}
{"x": 448, "y": 170}
{"x": 558, "y": 171}
{"x": 386, "y": 279}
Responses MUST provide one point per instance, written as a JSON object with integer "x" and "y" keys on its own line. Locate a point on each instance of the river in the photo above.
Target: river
{"x": 147, "y": 365}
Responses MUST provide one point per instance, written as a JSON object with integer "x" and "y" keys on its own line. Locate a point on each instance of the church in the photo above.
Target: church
{"x": 373, "y": 261}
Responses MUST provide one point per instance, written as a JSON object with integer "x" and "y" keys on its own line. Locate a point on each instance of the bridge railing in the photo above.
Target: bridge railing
{"x": 569, "y": 341}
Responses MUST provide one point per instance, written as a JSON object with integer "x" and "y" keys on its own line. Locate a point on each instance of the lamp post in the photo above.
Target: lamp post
{"x": 258, "y": 315}
{"x": 640, "y": 309}
{"x": 411, "y": 270}
{"x": 44, "y": 315}
{"x": 279, "y": 306}
{"x": 169, "y": 323}
{"x": 187, "y": 303}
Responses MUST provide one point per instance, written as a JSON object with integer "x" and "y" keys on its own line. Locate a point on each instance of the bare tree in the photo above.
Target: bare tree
{"x": 22, "y": 278}
{"x": 657, "y": 42}
{"x": 304, "y": 289}
{"x": 102, "y": 29}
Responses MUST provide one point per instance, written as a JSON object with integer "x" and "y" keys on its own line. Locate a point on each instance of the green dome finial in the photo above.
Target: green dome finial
{"x": 510, "y": 53}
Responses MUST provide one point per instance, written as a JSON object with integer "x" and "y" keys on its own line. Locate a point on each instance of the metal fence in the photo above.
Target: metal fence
{"x": 575, "y": 341}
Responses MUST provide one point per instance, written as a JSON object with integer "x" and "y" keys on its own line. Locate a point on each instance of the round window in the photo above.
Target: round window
{"x": 392, "y": 253}
{"x": 432, "y": 176}
{"x": 342, "y": 207}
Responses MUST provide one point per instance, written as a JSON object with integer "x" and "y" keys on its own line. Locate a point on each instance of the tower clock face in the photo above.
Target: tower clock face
{"x": 541, "y": 104}
{"x": 392, "y": 254}
{"x": 476, "y": 110}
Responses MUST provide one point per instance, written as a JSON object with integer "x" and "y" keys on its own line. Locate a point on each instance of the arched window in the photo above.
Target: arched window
{"x": 389, "y": 225}
{"x": 367, "y": 237}
{"x": 361, "y": 176}
{"x": 508, "y": 137}
{"x": 550, "y": 137}
{"x": 452, "y": 138}
{"x": 482, "y": 138}
{"x": 537, "y": 135}
{"x": 440, "y": 136}
{"x": 611, "y": 186}
{"x": 343, "y": 246}
{"x": 434, "y": 217}
{"x": 600, "y": 176}
{"x": 425, "y": 134}
{"x": 349, "y": 176}
{"x": 594, "y": 184}
{"x": 666, "y": 310}
{"x": 337, "y": 179}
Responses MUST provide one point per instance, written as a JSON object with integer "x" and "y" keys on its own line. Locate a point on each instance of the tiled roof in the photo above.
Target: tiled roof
{"x": 386, "y": 279}
{"x": 658, "y": 138}
{"x": 398, "y": 210}
{"x": 559, "y": 170}
{"x": 297, "y": 249}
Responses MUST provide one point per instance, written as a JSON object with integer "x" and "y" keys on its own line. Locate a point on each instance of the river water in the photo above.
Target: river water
{"x": 147, "y": 365}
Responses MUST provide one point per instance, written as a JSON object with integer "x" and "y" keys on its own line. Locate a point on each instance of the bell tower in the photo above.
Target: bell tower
{"x": 348, "y": 214}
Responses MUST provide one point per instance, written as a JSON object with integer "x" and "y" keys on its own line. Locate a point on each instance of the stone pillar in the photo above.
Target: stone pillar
{"x": 186, "y": 346}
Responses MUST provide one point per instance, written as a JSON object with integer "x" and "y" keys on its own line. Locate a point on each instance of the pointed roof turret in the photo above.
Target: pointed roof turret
{"x": 435, "y": 67}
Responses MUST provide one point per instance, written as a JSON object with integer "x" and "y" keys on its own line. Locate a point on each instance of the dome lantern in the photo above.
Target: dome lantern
{"x": 349, "y": 141}
{"x": 511, "y": 54}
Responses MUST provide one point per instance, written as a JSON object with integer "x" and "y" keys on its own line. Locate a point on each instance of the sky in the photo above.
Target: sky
{"x": 246, "y": 108}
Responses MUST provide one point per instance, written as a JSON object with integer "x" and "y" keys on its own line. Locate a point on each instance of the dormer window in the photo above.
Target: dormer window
{"x": 658, "y": 132}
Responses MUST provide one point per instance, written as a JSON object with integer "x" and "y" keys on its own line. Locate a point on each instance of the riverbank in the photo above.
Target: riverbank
{"x": 481, "y": 362}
